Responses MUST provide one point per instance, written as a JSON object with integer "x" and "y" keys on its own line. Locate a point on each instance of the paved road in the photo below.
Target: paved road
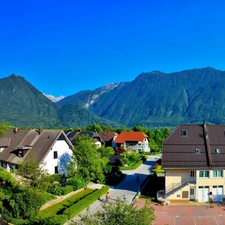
{"x": 129, "y": 186}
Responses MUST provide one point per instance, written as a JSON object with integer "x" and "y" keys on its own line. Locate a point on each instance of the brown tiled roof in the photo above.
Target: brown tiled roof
{"x": 39, "y": 144}
{"x": 5, "y": 142}
{"x": 130, "y": 136}
{"x": 107, "y": 136}
{"x": 16, "y": 138}
{"x": 179, "y": 151}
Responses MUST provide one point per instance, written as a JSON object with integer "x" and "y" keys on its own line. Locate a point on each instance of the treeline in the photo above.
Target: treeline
{"x": 157, "y": 136}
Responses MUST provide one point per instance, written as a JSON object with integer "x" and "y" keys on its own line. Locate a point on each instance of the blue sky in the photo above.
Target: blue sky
{"x": 62, "y": 47}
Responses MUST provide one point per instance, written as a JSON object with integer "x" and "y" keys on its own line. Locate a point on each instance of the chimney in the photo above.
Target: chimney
{"x": 16, "y": 129}
{"x": 39, "y": 130}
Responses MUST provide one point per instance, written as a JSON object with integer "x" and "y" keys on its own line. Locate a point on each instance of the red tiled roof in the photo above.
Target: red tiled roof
{"x": 130, "y": 136}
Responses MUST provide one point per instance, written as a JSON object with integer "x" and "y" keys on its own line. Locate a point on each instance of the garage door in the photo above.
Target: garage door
{"x": 203, "y": 194}
{"x": 217, "y": 194}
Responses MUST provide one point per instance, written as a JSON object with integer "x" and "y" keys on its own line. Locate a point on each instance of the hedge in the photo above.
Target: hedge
{"x": 61, "y": 206}
{"x": 85, "y": 202}
{"x": 135, "y": 166}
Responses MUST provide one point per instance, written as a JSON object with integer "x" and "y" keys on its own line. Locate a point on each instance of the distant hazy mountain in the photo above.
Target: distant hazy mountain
{"x": 87, "y": 97}
{"x": 53, "y": 98}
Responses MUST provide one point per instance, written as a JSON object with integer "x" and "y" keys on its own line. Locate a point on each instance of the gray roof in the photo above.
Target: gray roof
{"x": 72, "y": 135}
{"x": 179, "y": 151}
{"x": 5, "y": 142}
{"x": 33, "y": 142}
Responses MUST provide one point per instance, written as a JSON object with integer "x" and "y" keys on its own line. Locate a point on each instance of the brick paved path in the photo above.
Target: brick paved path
{"x": 196, "y": 214}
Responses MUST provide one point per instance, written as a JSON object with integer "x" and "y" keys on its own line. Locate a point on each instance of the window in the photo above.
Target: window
{"x": 217, "y": 173}
{"x": 184, "y": 194}
{"x": 197, "y": 151}
{"x": 192, "y": 191}
{"x": 184, "y": 133}
{"x": 204, "y": 174}
{"x": 217, "y": 150}
{"x": 192, "y": 173}
{"x": 55, "y": 153}
{"x": 56, "y": 170}
{"x": 20, "y": 153}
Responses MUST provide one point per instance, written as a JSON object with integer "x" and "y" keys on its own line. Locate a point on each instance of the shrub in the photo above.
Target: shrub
{"x": 6, "y": 178}
{"x": 135, "y": 166}
{"x": 55, "y": 189}
{"x": 55, "y": 177}
{"x": 60, "y": 207}
{"x": 77, "y": 182}
{"x": 24, "y": 204}
{"x": 85, "y": 202}
{"x": 67, "y": 189}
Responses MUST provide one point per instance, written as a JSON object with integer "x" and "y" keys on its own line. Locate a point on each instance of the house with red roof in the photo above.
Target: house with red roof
{"x": 133, "y": 141}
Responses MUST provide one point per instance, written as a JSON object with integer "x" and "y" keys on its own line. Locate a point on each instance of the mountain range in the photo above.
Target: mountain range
{"x": 152, "y": 99}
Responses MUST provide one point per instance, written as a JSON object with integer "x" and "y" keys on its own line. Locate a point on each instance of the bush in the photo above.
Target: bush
{"x": 55, "y": 189}
{"x": 67, "y": 189}
{"x": 135, "y": 166}
{"x": 55, "y": 177}
{"x": 24, "y": 204}
{"x": 61, "y": 207}
{"x": 6, "y": 178}
{"x": 77, "y": 182}
{"x": 85, "y": 202}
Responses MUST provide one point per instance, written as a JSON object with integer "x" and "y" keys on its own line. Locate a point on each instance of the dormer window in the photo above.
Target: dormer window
{"x": 217, "y": 150}
{"x": 184, "y": 133}
{"x": 197, "y": 151}
{"x": 20, "y": 153}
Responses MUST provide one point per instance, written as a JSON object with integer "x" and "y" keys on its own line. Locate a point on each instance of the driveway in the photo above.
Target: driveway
{"x": 129, "y": 186}
{"x": 189, "y": 214}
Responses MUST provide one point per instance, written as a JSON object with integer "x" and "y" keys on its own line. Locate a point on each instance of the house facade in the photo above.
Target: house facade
{"x": 109, "y": 138}
{"x": 133, "y": 141}
{"x": 50, "y": 148}
{"x": 193, "y": 157}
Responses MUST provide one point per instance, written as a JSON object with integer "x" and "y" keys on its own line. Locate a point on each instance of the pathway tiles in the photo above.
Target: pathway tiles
{"x": 187, "y": 214}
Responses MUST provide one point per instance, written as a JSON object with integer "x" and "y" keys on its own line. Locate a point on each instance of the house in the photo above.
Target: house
{"x": 193, "y": 157}
{"x": 109, "y": 138}
{"x": 95, "y": 136}
{"x": 50, "y": 148}
{"x": 133, "y": 141}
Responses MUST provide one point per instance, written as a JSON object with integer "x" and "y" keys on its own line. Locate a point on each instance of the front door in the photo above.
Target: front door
{"x": 203, "y": 194}
{"x": 192, "y": 193}
{"x": 217, "y": 193}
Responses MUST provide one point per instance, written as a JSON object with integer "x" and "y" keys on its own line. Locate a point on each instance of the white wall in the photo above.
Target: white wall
{"x": 64, "y": 153}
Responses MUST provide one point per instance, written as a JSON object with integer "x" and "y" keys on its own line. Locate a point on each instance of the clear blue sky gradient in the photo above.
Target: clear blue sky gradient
{"x": 63, "y": 47}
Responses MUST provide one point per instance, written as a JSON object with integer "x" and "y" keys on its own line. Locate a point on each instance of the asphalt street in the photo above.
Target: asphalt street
{"x": 129, "y": 186}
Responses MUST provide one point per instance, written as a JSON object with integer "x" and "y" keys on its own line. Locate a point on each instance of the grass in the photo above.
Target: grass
{"x": 132, "y": 167}
{"x": 55, "y": 209}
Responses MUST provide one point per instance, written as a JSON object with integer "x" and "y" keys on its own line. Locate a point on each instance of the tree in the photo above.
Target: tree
{"x": 119, "y": 213}
{"x": 4, "y": 126}
{"x": 85, "y": 161}
{"x": 24, "y": 204}
{"x": 35, "y": 175}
